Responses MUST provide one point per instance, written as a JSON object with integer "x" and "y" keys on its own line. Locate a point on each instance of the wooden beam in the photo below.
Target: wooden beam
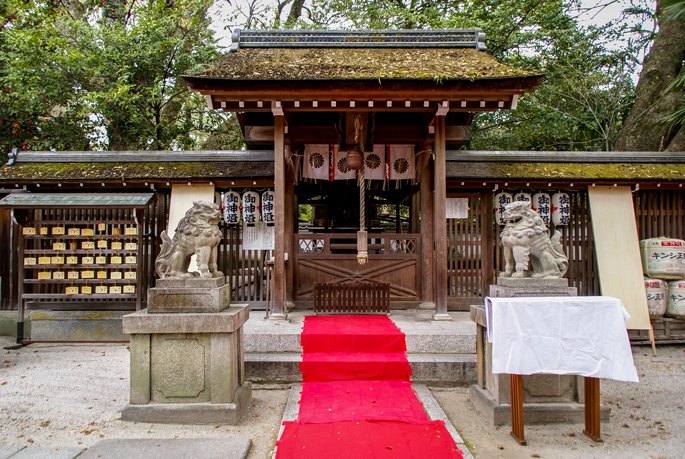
{"x": 440, "y": 222}
{"x": 279, "y": 309}
{"x": 327, "y": 134}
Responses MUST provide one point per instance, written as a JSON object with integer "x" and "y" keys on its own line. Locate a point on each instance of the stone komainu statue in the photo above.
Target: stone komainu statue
{"x": 525, "y": 239}
{"x": 196, "y": 234}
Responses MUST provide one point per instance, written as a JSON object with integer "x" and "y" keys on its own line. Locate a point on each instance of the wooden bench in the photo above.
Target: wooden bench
{"x": 351, "y": 298}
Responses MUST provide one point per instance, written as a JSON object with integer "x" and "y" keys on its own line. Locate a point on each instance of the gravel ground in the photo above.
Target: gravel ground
{"x": 647, "y": 419}
{"x": 72, "y": 395}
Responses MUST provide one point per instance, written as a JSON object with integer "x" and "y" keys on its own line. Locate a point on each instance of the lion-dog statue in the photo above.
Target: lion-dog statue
{"x": 196, "y": 234}
{"x": 525, "y": 239}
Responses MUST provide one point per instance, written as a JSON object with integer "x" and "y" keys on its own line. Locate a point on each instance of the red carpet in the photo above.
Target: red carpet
{"x": 360, "y": 400}
{"x": 339, "y": 366}
{"x": 357, "y": 401}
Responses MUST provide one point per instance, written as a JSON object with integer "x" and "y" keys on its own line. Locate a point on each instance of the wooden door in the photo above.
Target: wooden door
{"x": 469, "y": 252}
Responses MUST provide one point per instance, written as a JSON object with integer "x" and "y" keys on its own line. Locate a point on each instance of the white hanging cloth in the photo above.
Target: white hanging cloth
{"x": 401, "y": 162}
{"x": 374, "y": 163}
{"x": 316, "y": 162}
{"x": 341, "y": 172}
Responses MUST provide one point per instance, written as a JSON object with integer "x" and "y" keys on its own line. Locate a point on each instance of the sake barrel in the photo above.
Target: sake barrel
{"x": 656, "y": 297}
{"x": 663, "y": 258}
{"x": 676, "y": 299}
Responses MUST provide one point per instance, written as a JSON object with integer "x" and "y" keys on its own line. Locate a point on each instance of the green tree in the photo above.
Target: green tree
{"x": 106, "y": 75}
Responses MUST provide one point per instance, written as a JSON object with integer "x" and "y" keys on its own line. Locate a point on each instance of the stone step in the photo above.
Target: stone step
{"x": 431, "y": 369}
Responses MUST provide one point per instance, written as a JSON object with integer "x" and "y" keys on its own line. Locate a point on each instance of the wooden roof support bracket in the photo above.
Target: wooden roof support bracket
{"x": 276, "y": 108}
{"x": 443, "y": 108}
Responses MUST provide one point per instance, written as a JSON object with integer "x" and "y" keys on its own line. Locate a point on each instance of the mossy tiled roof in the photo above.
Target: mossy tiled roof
{"x": 566, "y": 171}
{"x": 129, "y": 171}
{"x": 435, "y": 64}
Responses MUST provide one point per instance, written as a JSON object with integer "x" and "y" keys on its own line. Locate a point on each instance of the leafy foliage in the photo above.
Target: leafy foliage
{"x": 104, "y": 75}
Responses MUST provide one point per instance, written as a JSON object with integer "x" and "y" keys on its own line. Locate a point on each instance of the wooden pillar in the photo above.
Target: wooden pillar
{"x": 427, "y": 255}
{"x": 290, "y": 219}
{"x": 279, "y": 311}
{"x": 414, "y": 204}
{"x": 440, "y": 221}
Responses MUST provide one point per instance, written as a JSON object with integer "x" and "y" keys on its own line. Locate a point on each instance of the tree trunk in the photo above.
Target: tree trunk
{"x": 295, "y": 13}
{"x": 661, "y": 67}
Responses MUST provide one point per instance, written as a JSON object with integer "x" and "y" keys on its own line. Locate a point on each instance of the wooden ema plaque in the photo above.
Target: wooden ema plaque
{"x": 102, "y": 226}
{"x": 102, "y": 244}
{"x": 101, "y": 289}
{"x": 129, "y": 289}
{"x": 115, "y": 289}
{"x": 115, "y": 260}
{"x": 131, "y": 231}
{"x": 115, "y": 275}
{"x": 116, "y": 231}
{"x": 57, "y": 260}
{"x": 130, "y": 275}
{"x": 87, "y": 260}
{"x": 71, "y": 290}
{"x": 87, "y": 232}
{"x": 59, "y": 246}
{"x": 43, "y": 260}
{"x": 28, "y": 231}
{"x": 131, "y": 260}
{"x": 43, "y": 231}
{"x": 74, "y": 232}
{"x": 116, "y": 245}
{"x": 88, "y": 245}
{"x": 102, "y": 275}
{"x": 45, "y": 275}
{"x": 100, "y": 260}
{"x": 72, "y": 260}
{"x": 131, "y": 246}
{"x": 57, "y": 275}
{"x": 72, "y": 275}
{"x": 58, "y": 230}
{"x": 30, "y": 261}
{"x": 87, "y": 290}
{"x": 87, "y": 274}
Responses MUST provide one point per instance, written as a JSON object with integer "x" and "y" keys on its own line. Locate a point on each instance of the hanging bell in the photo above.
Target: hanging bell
{"x": 354, "y": 160}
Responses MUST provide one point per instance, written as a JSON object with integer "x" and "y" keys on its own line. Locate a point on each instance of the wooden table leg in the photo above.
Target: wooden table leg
{"x": 592, "y": 413}
{"x": 517, "y": 409}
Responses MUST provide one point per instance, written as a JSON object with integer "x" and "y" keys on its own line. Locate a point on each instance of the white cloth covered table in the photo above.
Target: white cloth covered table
{"x": 583, "y": 336}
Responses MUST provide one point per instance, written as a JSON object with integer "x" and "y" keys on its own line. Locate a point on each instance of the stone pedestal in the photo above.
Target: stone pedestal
{"x": 547, "y": 399}
{"x": 187, "y": 368}
{"x": 188, "y": 295}
{"x": 508, "y": 287}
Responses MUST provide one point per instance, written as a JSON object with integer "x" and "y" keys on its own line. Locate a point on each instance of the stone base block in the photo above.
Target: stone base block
{"x": 76, "y": 326}
{"x": 531, "y": 282}
{"x": 188, "y": 299}
{"x": 499, "y": 291}
{"x": 533, "y": 413}
{"x": 192, "y": 413}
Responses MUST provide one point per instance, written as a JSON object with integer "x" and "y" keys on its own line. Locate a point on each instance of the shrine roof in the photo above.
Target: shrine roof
{"x": 432, "y": 64}
{"x": 132, "y": 165}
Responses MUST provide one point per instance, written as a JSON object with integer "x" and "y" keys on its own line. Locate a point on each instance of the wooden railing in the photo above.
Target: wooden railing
{"x": 352, "y": 298}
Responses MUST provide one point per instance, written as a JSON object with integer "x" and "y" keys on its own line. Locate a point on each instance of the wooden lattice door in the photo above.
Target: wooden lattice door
{"x": 469, "y": 251}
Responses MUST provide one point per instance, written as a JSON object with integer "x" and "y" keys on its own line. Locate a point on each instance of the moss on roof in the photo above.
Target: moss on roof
{"x": 373, "y": 63}
{"x": 127, "y": 171}
{"x": 565, "y": 171}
